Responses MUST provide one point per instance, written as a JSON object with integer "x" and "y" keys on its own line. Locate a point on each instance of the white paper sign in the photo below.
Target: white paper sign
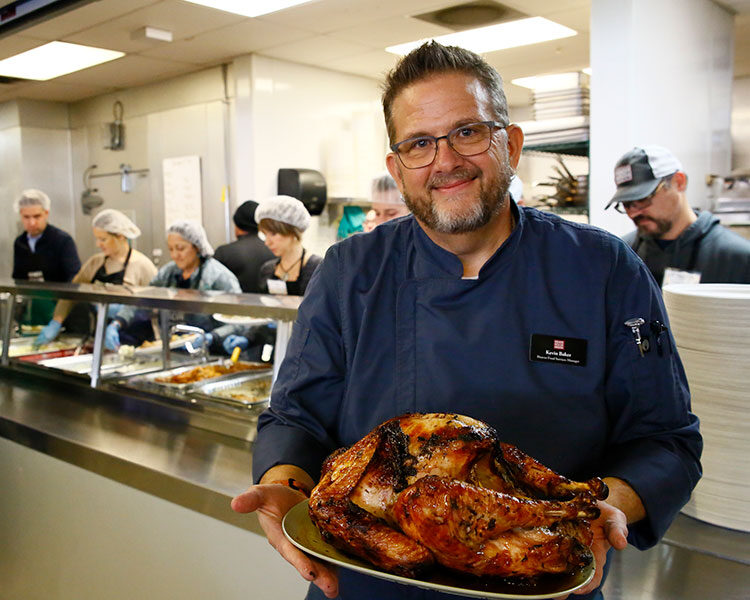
{"x": 183, "y": 198}
{"x": 276, "y": 286}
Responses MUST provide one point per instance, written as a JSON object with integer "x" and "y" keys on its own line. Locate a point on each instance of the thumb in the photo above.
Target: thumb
{"x": 248, "y": 501}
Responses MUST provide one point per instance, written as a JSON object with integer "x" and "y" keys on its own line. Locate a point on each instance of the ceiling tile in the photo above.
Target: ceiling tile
{"x": 16, "y": 44}
{"x": 314, "y": 50}
{"x": 128, "y": 71}
{"x": 60, "y": 92}
{"x": 388, "y": 32}
{"x": 374, "y": 64}
{"x": 245, "y": 37}
{"x": 83, "y": 18}
{"x": 333, "y": 15}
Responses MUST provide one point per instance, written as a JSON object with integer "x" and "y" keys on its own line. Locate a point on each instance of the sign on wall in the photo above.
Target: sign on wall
{"x": 183, "y": 197}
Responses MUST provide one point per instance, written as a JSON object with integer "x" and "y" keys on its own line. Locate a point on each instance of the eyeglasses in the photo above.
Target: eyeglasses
{"x": 466, "y": 140}
{"x": 623, "y": 207}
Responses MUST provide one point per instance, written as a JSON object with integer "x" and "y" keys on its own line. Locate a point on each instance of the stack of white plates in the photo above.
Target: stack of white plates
{"x": 711, "y": 325}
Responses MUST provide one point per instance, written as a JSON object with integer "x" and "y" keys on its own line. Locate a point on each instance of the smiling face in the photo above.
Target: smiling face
{"x": 455, "y": 194}
{"x": 182, "y": 252}
{"x": 34, "y": 219}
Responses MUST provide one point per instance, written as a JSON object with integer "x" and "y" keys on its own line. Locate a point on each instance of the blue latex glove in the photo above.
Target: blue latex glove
{"x": 232, "y": 341}
{"x": 209, "y": 338}
{"x": 112, "y": 336}
{"x": 47, "y": 334}
{"x": 112, "y": 310}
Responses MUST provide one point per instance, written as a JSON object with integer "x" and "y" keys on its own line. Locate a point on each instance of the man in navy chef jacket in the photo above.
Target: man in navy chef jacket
{"x": 478, "y": 306}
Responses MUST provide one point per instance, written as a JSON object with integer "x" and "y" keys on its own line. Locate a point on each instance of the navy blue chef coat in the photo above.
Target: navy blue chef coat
{"x": 388, "y": 326}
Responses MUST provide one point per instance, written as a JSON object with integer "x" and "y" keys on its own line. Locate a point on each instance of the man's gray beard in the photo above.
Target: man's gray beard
{"x": 491, "y": 201}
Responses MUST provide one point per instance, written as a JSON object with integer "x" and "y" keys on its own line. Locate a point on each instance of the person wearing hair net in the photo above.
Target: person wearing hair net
{"x": 192, "y": 267}
{"x": 42, "y": 252}
{"x": 282, "y": 220}
{"x": 387, "y": 202}
{"x": 117, "y": 263}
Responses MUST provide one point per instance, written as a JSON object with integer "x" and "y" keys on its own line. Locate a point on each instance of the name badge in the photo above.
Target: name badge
{"x": 276, "y": 286}
{"x": 558, "y": 349}
{"x": 678, "y": 276}
{"x": 35, "y": 276}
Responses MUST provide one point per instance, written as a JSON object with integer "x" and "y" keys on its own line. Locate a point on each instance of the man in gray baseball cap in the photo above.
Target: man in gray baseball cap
{"x": 677, "y": 243}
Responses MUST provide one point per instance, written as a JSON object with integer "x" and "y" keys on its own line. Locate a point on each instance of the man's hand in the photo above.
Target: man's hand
{"x": 272, "y": 502}
{"x": 610, "y": 531}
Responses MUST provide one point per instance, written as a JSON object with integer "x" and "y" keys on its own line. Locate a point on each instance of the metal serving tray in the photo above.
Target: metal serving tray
{"x": 149, "y": 381}
{"x": 220, "y": 391}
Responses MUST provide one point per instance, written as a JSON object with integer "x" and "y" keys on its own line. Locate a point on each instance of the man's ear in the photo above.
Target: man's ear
{"x": 679, "y": 181}
{"x": 515, "y": 144}
{"x": 394, "y": 168}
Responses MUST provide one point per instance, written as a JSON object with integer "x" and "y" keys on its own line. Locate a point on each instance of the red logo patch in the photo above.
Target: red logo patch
{"x": 559, "y": 344}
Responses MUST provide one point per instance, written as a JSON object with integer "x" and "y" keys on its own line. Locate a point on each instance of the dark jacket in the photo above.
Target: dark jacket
{"x": 389, "y": 326}
{"x": 56, "y": 256}
{"x": 244, "y": 258}
{"x": 718, "y": 254}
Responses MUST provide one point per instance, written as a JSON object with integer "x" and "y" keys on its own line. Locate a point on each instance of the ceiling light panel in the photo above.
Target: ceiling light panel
{"x": 55, "y": 59}
{"x": 497, "y": 37}
{"x": 249, "y": 9}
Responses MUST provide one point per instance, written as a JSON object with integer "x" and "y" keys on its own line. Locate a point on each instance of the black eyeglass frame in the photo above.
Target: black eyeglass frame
{"x": 621, "y": 207}
{"x": 491, "y": 124}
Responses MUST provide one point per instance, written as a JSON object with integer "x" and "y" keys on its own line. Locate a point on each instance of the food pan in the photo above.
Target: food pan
{"x": 244, "y": 390}
{"x": 151, "y": 380}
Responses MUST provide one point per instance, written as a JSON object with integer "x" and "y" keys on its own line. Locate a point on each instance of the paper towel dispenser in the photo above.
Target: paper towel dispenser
{"x": 307, "y": 185}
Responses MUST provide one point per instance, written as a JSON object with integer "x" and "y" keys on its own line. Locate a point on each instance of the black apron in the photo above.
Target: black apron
{"x": 117, "y": 278}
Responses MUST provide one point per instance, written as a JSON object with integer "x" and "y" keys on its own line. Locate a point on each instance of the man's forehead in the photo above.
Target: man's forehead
{"x": 453, "y": 98}
{"x": 30, "y": 211}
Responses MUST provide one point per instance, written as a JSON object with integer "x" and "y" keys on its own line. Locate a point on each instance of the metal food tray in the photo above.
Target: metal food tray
{"x": 148, "y": 381}
{"x": 208, "y": 390}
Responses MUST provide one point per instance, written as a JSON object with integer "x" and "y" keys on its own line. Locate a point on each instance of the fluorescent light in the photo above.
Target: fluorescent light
{"x": 249, "y": 9}
{"x": 497, "y": 37}
{"x": 55, "y": 59}
{"x": 555, "y": 81}
{"x": 587, "y": 70}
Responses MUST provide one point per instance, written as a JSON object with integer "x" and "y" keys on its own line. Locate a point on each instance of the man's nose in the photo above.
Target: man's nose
{"x": 446, "y": 156}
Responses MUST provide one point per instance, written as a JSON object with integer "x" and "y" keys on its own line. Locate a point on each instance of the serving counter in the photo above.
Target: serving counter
{"x": 111, "y": 492}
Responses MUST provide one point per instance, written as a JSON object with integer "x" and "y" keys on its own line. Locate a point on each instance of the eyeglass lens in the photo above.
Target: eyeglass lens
{"x": 466, "y": 140}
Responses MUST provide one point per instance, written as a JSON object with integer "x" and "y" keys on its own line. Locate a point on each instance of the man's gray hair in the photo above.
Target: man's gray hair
{"x": 432, "y": 58}
{"x": 32, "y": 197}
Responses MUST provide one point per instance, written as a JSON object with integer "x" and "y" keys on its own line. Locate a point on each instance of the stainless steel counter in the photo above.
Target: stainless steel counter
{"x": 149, "y": 446}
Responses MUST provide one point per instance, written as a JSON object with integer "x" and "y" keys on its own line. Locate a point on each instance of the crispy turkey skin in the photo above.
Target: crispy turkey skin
{"x": 442, "y": 488}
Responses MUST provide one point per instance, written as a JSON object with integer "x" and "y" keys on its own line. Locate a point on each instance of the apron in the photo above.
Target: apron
{"x": 37, "y": 311}
{"x": 117, "y": 278}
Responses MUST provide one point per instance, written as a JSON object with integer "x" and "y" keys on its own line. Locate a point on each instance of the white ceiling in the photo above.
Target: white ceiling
{"x": 343, "y": 35}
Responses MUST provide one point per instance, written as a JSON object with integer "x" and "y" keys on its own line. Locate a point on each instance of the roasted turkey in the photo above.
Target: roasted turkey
{"x": 422, "y": 489}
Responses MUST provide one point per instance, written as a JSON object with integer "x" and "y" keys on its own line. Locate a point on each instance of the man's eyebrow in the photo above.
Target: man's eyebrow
{"x": 456, "y": 124}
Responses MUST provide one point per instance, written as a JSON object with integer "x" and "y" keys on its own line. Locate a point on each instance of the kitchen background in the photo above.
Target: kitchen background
{"x": 299, "y": 88}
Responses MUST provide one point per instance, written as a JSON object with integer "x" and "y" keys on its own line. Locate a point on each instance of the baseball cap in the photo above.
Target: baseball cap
{"x": 640, "y": 170}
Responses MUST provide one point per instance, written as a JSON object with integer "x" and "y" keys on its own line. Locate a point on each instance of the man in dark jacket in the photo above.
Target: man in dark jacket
{"x": 677, "y": 244}
{"x": 245, "y": 256}
{"x": 42, "y": 252}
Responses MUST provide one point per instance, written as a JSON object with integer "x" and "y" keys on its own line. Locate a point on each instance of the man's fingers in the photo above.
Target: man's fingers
{"x": 247, "y": 501}
{"x": 616, "y": 530}
{"x": 312, "y": 570}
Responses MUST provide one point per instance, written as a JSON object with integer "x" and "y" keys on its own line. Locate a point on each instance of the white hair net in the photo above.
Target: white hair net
{"x": 113, "y": 221}
{"x": 194, "y": 233}
{"x": 385, "y": 190}
{"x": 32, "y": 197}
{"x": 284, "y": 209}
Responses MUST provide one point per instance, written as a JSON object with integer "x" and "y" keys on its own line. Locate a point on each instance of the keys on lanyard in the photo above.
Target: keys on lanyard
{"x": 635, "y": 326}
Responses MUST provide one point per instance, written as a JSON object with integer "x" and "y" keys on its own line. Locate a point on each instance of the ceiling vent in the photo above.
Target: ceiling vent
{"x": 471, "y": 15}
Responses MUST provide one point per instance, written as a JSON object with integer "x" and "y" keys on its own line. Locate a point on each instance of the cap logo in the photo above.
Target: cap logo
{"x": 623, "y": 174}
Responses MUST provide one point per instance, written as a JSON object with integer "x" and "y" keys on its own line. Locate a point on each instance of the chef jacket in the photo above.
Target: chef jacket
{"x": 389, "y": 326}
